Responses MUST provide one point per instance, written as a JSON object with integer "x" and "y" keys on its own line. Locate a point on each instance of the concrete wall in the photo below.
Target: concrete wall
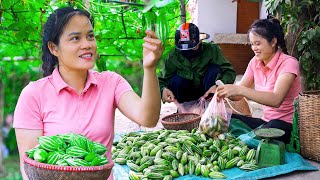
{"x": 216, "y": 16}
{"x": 263, "y": 10}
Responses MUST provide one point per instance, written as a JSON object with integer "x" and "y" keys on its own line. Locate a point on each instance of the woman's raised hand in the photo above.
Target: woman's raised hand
{"x": 152, "y": 50}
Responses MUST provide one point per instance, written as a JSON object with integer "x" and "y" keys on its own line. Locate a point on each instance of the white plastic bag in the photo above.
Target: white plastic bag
{"x": 215, "y": 120}
{"x": 196, "y": 106}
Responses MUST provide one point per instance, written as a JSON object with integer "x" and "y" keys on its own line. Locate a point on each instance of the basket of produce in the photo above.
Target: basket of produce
{"x": 67, "y": 156}
{"x": 181, "y": 121}
{"x": 309, "y": 128}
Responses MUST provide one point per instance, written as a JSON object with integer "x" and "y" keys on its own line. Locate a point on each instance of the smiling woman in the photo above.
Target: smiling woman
{"x": 76, "y": 49}
{"x": 72, "y": 97}
{"x": 275, "y": 76}
{"x": 60, "y": 37}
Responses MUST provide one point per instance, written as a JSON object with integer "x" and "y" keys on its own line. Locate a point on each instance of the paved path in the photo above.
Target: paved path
{"x": 123, "y": 124}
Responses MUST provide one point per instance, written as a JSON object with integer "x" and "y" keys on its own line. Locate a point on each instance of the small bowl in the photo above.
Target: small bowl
{"x": 181, "y": 121}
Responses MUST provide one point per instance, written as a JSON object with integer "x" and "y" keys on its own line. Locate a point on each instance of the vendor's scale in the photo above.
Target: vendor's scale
{"x": 270, "y": 152}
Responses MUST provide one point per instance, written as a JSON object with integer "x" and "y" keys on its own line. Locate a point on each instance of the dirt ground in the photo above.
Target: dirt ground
{"x": 123, "y": 124}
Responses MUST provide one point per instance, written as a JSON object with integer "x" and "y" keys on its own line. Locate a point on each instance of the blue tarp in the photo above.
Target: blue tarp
{"x": 293, "y": 162}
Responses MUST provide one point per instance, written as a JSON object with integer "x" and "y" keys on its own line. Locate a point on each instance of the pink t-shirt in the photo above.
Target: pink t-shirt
{"x": 265, "y": 77}
{"x": 51, "y": 105}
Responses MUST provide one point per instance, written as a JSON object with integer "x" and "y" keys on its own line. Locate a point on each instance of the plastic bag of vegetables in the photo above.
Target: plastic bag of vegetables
{"x": 215, "y": 120}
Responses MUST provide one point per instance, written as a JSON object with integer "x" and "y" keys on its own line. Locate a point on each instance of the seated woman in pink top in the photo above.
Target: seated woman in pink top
{"x": 72, "y": 97}
{"x": 274, "y": 75}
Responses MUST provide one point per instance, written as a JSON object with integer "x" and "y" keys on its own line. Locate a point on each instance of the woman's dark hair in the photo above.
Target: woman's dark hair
{"x": 269, "y": 29}
{"x": 52, "y": 32}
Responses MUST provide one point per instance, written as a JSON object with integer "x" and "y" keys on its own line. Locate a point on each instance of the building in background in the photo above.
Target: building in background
{"x": 227, "y": 22}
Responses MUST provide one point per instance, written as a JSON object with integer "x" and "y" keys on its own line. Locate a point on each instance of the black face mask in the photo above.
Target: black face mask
{"x": 190, "y": 54}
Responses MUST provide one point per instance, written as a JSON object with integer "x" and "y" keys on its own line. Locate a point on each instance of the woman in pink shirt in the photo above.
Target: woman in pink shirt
{"x": 72, "y": 97}
{"x": 274, "y": 75}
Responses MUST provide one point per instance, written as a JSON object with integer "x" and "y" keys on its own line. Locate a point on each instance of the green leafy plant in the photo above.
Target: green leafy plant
{"x": 308, "y": 47}
{"x": 11, "y": 142}
{"x": 300, "y": 19}
{"x": 15, "y": 75}
{"x": 118, "y": 29}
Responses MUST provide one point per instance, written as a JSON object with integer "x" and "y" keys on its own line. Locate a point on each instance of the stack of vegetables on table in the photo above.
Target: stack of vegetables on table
{"x": 68, "y": 150}
{"x": 167, "y": 154}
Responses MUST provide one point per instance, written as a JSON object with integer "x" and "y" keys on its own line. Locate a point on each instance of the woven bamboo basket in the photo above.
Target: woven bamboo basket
{"x": 240, "y": 107}
{"x": 40, "y": 171}
{"x": 181, "y": 121}
{"x": 309, "y": 125}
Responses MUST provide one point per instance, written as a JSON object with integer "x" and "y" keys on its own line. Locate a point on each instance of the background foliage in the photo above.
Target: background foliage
{"x": 14, "y": 76}
{"x": 118, "y": 29}
{"x": 301, "y": 20}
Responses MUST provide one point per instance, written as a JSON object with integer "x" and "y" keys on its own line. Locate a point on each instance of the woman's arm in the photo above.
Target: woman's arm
{"x": 245, "y": 82}
{"x": 273, "y": 99}
{"x": 26, "y": 140}
{"x": 145, "y": 110}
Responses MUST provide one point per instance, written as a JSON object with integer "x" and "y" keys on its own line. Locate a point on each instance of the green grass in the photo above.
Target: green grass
{"x": 11, "y": 168}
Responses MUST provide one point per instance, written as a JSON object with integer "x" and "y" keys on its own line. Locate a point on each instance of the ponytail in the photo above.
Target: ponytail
{"x": 279, "y": 34}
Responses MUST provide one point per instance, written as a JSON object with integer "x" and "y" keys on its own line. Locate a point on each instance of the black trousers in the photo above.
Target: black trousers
{"x": 184, "y": 89}
{"x": 276, "y": 123}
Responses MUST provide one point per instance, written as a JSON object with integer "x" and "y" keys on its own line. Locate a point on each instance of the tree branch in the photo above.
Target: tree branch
{"x": 183, "y": 11}
{"x": 133, "y": 38}
{"x": 124, "y": 25}
{"x": 129, "y": 3}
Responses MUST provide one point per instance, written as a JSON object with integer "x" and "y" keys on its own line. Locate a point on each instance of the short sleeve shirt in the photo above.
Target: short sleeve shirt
{"x": 51, "y": 105}
{"x": 265, "y": 77}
